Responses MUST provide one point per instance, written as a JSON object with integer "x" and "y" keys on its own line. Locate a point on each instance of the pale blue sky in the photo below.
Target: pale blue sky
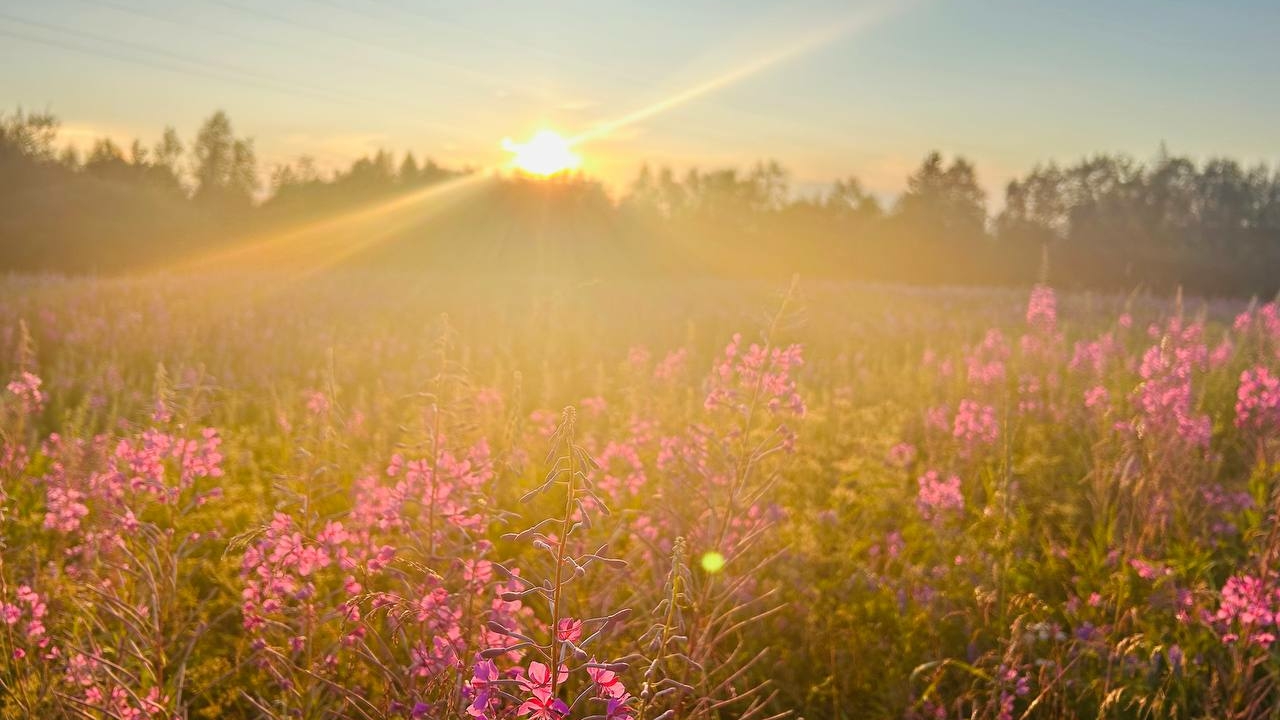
{"x": 1007, "y": 83}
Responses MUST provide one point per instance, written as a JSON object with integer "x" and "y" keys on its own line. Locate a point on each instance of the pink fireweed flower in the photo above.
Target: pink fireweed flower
{"x": 64, "y": 509}
{"x": 618, "y": 708}
{"x": 1264, "y": 320}
{"x": 672, "y": 365}
{"x": 1249, "y": 608}
{"x": 317, "y": 403}
{"x": 484, "y": 696}
{"x": 544, "y": 707}
{"x": 1095, "y": 356}
{"x": 975, "y": 426}
{"x": 569, "y": 630}
{"x": 986, "y": 362}
{"x": 538, "y": 677}
{"x": 26, "y": 388}
{"x": 1258, "y": 399}
{"x": 621, "y": 470}
{"x": 1221, "y": 353}
{"x": 1096, "y": 397}
{"x": 938, "y": 497}
{"x": 1042, "y": 309}
{"x": 1165, "y": 399}
{"x": 760, "y": 374}
{"x": 1148, "y": 571}
{"x": 24, "y": 617}
{"x": 607, "y": 681}
{"x": 902, "y": 454}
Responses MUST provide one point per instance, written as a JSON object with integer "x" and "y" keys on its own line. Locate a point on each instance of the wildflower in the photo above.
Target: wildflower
{"x": 759, "y": 373}
{"x": 618, "y": 708}
{"x": 485, "y": 697}
{"x": 1258, "y": 399}
{"x": 1042, "y": 309}
{"x": 1096, "y": 396}
{"x": 608, "y": 682}
{"x": 672, "y": 365}
{"x": 542, "y": 706}
{"x": 538, "y": 677}
{"x": 1250, "y": 607}
{"x": 26, "y": 388}
{"x": 974, "y": 426}
{"x": 569, "y": 630}
{"x": 317, "y": 403}
{"x": 902, "y": 454}
{"x": 938, "y": 496}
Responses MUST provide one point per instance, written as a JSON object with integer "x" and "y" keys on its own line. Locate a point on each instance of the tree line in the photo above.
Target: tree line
{"x": 1107, "y": 221}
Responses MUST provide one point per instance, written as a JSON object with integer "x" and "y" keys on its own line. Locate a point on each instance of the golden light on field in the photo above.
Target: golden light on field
{"x": 546, "y": 153}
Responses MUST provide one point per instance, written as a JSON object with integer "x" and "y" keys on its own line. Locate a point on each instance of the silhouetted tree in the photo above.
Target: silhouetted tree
{"x": 1106, "y": 221}
{"x": 225, "y": 169}
{"x": 409, "y": 171}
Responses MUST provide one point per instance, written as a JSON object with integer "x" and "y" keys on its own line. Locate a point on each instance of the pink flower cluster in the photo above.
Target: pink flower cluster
{"x": 938, "y": 497}
{"x": 621, "y": 470}
{"x": 317, "y": 403}
{"x": 1042, "y": 309}
{"x": 26, "y": 389}
{"x": 975, "y": 426}
{"x": 25, "y": 618}
{"x": 151, "y": 467}
{"x": 1096, "y": 397}
{"x": 279, "y": 569}
{"x": 1265, "y": 320}
{"x": 1258, "y": 399}
{"x": 902, "y": 454}
{"x": 757, "y": 375}
{"x": 1043, "y": 341}
{"x": 1166, "y": 399}
{"x": 142, "y": 462}
{"x": 99, "y": 688}
{"x": 296, "y": 579}
{"x": 672, "y": 365}
{"x": 986, "y": 362}
{"x": 1248, "y": 610}
{"x": 1094, "y": 356}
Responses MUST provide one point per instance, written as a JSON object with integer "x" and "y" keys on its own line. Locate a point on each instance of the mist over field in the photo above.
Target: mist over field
{"x": 607, "y": 361}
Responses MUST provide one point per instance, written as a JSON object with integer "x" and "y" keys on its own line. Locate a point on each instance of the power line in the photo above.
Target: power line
{"x": 196, "y": 66}
{"x": 216, "y": 71}
{"x": 292, "y": 48}
{"x": 98, "y": 52}
{"x": 287, "y": 20}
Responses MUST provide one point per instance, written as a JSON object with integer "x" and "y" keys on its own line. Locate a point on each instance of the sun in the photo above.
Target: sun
{"x": 546, "y": 153}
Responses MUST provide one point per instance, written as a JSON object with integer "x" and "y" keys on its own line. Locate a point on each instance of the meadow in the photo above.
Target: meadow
{"x": 394, "y": 496}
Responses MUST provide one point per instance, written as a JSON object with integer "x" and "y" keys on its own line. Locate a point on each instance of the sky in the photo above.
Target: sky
{"x": 829, "y": 89}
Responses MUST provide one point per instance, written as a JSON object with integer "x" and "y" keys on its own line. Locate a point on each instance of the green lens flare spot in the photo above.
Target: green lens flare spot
{"x": 712, "y": 562}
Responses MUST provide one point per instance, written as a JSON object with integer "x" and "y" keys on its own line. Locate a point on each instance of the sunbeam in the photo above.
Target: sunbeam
{"x": 325, "y": 243}
{"x": 809, "y": 42}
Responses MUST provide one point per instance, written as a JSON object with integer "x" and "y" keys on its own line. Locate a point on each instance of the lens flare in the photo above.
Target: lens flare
{"x": 713, "y": 562}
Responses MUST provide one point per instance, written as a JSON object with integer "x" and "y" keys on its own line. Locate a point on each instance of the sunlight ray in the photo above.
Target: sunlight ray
{"x": 324, "y": 243}
{"x": 809, "y": 42}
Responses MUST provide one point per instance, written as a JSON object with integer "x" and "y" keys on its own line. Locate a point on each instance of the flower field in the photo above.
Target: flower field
{"x": 391, "y": 497}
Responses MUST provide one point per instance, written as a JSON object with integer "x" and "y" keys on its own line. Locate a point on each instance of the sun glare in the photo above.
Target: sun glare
{"x": 546, "y": 153}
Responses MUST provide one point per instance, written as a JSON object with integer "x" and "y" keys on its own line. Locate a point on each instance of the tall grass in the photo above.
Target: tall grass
{"x": 390, "y": 497}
